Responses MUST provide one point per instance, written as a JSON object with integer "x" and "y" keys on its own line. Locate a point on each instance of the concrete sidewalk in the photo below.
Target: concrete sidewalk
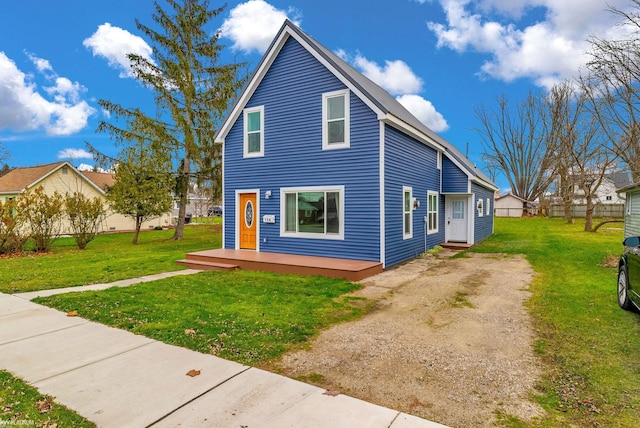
{"x": 118, "y": 379}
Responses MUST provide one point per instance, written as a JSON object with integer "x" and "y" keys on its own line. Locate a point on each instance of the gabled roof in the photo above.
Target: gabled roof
{"x": 19, "y": 179}
{"x": 103, "y": 180}
{"x": 380, "y": 101}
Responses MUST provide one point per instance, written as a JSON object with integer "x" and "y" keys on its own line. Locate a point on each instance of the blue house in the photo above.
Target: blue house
{"x": 320, "y": 161}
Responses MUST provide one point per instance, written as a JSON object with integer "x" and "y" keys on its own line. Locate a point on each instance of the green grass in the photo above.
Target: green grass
{"x": 108, "y": 258}
{"x": 590, "y": 347}
{"x": 249, "y": 317}
{"x": 23, "y": 405}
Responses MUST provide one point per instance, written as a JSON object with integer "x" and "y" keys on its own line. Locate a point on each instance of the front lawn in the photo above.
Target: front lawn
{"x": 589, "y": 345}
{"x": 108, "y": 258}
{"x": 23, "y": 405}
{"x": 248, "y": 317}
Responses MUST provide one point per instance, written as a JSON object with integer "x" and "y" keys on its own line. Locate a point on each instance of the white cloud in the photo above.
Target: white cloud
{"x": 396, "y": 76}
{"x": 114, "y": 44}
{"x": 74, "y": 154}
{"x": 424, "y": 111}
{"x": 545, "y": 51}
{"x": 41, "y": 64}
{"x": 23, "y": 108}
{"x": 253, "y": 25}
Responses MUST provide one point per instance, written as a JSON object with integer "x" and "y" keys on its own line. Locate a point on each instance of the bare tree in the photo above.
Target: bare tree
{"x": 614, "y": 90}
{"x": 514, "y": 140}
{"x": 584, "y": 156}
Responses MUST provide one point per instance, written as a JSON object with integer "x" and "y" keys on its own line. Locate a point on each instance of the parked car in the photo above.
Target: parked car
{"x": 629, "y": 275}
{"x": 217, "y": 211}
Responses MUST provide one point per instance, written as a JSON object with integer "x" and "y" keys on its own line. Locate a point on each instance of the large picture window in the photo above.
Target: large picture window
{"x": 313, "y": 212}
{"x": 432, "y": 212}
{"x": 407, "y": 212}
{"x": 254, "y": 132}
{"x": 335, "y": 120}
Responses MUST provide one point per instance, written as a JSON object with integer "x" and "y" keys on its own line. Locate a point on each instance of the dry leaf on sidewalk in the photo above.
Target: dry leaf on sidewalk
{"x": 72, "y": 314}
{"x": 193, "y": 372}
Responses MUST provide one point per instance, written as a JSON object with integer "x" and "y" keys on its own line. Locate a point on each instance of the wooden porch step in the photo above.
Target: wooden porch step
{"x": 206, "y": 265}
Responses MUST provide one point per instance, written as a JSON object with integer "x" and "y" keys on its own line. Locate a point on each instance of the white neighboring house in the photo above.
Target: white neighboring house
{"x": 510, "y": 205}
{"x": 607, "y": 192}
{"x": 65, "y": 178}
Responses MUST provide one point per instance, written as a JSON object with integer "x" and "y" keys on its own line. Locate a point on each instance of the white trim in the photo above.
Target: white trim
{"x": 407, "y": 235}
{"x": 269, "y": 57}
{"x": 325, "y": 189}
{"x": 245, "y": 132}
{"x": 433, "y": 193}
{"x": 224, "y": 208}
{"x": 439, "y": 161}
{"x": 471, "y": 220}
{"x": 325, "y": 120}
{"x": 236, "y": 220}
{"x": 399, "y": 124}
{"x": 382, "y": 192}
{"x": 487, "y": 208}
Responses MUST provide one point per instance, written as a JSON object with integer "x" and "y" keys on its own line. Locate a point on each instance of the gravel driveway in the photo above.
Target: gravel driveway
{"x": 449, "y": 340}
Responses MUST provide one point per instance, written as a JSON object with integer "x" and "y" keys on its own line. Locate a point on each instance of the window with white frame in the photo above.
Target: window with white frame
{"x": 335, "y": 120}
{"x": 479, "y": 207}
{"x": 407, "y": 212}
{"x": 488, "y": 207}
{"x": 254, "y": 132}
{"x": 432, "y": 212}
{"x": 312, "y": 212}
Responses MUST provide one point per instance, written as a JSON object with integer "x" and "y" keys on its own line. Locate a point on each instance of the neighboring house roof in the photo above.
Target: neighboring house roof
{"x": 620, "y": 179}
{"x": 103, "y": 180}
{"x": 386, "y": 106}
{"x": 511, "y": 195}
{"x": 19, "y": 179}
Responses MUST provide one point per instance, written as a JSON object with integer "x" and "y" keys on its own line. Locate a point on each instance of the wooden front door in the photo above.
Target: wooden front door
{"x": 247, "y": 221}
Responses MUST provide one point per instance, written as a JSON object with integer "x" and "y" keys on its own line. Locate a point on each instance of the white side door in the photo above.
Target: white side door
{"x": 457, "y": 219}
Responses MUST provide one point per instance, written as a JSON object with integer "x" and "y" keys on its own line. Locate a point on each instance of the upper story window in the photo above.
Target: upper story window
{"x": 254, "y": 132}
{"x": 407, "y": 212}
{"x": 335, "y": 120}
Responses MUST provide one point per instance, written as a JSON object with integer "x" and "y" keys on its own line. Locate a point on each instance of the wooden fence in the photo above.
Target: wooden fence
{"x": 580, "y": 210}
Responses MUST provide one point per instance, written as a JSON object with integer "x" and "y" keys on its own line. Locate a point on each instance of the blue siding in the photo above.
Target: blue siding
{"x": 412, "y": 164}
{"x": 483, "y": 225}
{"x": 454, "y": 180}
{"x": 291, "y": 93}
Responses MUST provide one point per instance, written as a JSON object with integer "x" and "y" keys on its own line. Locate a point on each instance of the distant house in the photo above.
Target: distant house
{"x": 510, "y": 205}
{"x": 318, "y": 160}
{"x": 65, "y": 178}
{"x": 607, "y": 192}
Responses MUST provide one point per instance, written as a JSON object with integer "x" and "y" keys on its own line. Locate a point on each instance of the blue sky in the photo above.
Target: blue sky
{"x": 440, "y": 58}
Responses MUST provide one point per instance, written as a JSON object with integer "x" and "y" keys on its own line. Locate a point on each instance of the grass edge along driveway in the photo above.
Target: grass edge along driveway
{"x": 589, "y": 346}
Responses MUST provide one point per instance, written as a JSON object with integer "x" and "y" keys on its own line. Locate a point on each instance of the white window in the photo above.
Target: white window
{"x": 254, "y": 132}
{"x": 479, "y": 208}
{"x": 432, "y": 212}
{"x": 488, "y": 208}
{"x": 335, "y": 120}
{"x": 312, "y": 212}
{"x": 407, "y": 212}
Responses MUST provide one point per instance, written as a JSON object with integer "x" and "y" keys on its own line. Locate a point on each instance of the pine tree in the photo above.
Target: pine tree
{"x": 192, "y": 90}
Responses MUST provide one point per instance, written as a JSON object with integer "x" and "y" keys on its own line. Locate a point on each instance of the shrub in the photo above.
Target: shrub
{"x": 84, "y": 215}
{"x": 12, "y": 228}
{"x": 44, "y": 215}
